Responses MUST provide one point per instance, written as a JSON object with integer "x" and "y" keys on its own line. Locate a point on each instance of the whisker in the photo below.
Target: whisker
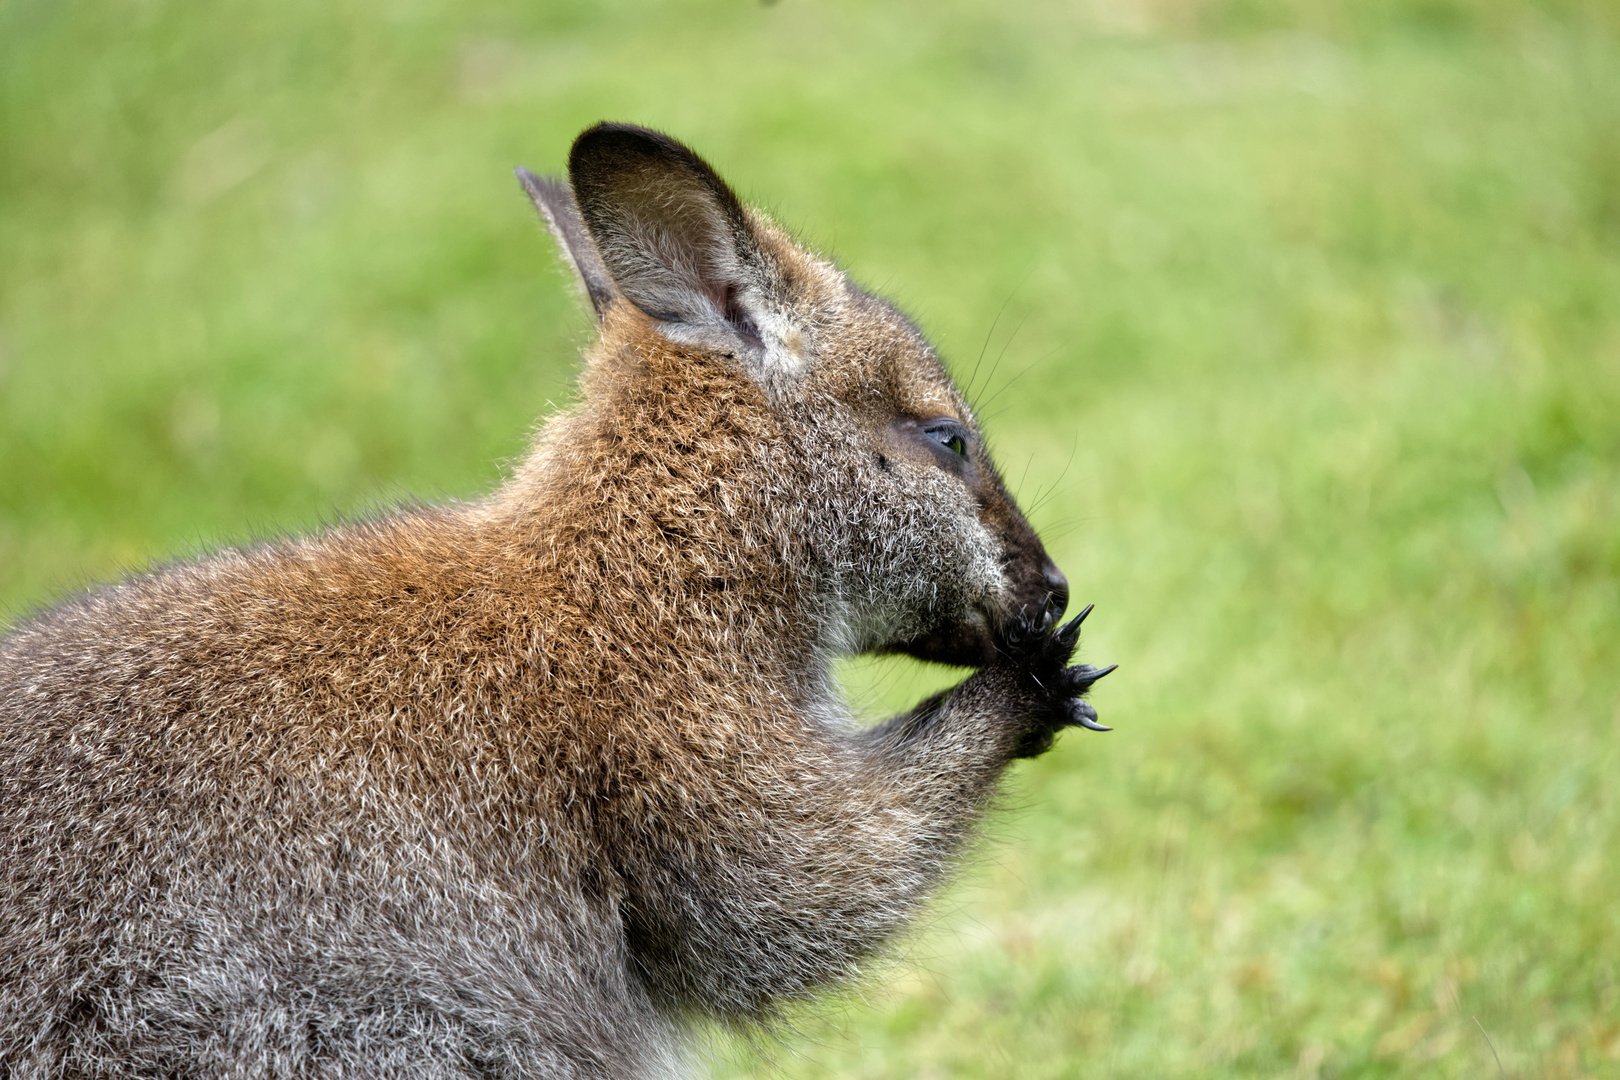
{"x": 1021, "y": 374}
{"x": 973, "y": 389}
{"x": 974, "y": 377}
{"x": 1042, "y": 496}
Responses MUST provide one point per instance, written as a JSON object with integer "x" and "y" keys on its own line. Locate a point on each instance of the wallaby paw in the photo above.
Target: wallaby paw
{"x": 1040, "y": 655}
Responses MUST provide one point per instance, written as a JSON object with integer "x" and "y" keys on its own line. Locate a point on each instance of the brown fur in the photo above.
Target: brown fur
{"x": 519, "y": 787}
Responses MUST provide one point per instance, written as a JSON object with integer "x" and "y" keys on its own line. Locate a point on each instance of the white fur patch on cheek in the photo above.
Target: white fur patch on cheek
{"x": 977, "y": 556}
{"x": 985, "y": 574}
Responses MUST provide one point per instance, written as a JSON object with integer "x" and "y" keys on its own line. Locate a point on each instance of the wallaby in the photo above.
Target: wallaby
{"x": 527, "y": 786}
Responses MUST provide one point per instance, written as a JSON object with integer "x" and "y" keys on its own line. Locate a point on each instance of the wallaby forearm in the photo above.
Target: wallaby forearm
{"x": 950, "y": 749}
{"x": 891, "y": 831}
{"x": 884, "y": 814}
{"x": 946, "y": 754}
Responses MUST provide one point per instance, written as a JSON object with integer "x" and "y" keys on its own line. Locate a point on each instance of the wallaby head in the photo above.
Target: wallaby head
{"x": 907, "y": 539}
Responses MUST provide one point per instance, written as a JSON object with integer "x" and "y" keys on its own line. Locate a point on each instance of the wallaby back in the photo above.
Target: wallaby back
{"x": 522, "y": 786}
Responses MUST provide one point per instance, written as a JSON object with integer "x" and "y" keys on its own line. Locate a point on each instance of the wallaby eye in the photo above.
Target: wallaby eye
{"x": 948, "y": 434}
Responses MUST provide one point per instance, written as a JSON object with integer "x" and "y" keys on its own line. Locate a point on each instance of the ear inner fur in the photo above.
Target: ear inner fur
{"x": 672, "y": 235}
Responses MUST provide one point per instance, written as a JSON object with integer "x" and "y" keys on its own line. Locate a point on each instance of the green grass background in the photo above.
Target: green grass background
{"x": 1304, "y": 321}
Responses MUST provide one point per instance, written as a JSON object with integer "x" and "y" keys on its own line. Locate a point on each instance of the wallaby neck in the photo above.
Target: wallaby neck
{"x": 662, "y": 526}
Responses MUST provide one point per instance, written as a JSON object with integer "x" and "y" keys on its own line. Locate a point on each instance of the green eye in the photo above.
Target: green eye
{"x": 950, "y": 435}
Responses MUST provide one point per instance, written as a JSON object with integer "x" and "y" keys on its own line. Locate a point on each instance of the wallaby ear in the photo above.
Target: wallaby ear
{"x": 556, "y": 205}
{"x": 671, "y": 234}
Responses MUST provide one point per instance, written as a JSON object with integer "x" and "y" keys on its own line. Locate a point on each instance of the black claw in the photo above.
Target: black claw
{"x": 1085, "y": 674}
{"x": 1069, "y": 633}
{"x": 1048, "y": 613}
{"x": 1086, "y": 717}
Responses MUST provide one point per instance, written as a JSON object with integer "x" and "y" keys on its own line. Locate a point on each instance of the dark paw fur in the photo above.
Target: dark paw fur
{"x": 1040, "y": 656}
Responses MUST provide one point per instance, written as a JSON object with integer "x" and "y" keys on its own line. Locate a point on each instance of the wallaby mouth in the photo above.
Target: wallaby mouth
{"x": 973, "y": 641}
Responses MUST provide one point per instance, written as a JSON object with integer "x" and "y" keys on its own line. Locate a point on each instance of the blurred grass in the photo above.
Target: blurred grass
{"x": 1308, "y": 327}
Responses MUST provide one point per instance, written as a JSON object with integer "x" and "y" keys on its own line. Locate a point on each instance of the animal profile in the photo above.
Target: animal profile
{"x": 528, "y": 785}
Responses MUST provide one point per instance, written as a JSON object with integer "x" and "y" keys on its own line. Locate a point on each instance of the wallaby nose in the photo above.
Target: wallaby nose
{"x": 1057, "y": 587}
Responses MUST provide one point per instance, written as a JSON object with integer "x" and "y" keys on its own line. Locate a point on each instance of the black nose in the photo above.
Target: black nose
{"x": 1058, "y": 586}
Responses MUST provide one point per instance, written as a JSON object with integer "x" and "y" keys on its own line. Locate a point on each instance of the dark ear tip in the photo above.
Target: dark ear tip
{"x": 608, "y": 153}
{"x": 609, "y": 140}
{"x": 611, "y": 132}
{"x": 609, "y": 148}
